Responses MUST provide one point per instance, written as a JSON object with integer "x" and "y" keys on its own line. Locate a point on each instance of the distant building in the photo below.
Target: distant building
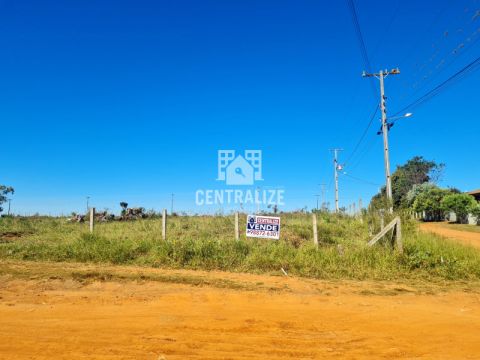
{"x": 472, "y": 220}
{"x": 475, "y": 194}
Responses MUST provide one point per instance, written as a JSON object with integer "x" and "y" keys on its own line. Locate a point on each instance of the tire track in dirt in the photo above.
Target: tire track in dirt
{"x": 465, "y": 237}
{"x": 286, "y": 318}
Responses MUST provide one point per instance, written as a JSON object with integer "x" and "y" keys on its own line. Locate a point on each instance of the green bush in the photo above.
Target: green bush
{"x": 208, "y": 243}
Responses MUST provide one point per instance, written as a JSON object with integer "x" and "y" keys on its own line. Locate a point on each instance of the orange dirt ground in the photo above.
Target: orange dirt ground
{"x": 465, "y": 237}
{"x": 234, "y": 316}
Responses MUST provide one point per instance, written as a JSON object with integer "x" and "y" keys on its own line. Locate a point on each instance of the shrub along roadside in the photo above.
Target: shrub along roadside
{"x": 426, "y": 257}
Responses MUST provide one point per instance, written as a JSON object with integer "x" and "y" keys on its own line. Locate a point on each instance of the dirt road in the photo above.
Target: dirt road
{"x": 465, "y": 237}
{"x": 73, "y": 315}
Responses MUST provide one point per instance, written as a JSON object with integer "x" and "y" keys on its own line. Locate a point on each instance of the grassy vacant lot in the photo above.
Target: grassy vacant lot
{"x": 208, "y": 243}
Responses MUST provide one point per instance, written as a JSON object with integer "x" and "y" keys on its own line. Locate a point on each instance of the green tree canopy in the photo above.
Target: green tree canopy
{"x": 429, "y": 201}
{"x": 4, "y": 191}
{"x": 416, "y": 190}
{"x": 460, "y": 204}
{"x": 415, "y": 171}
{"x": 475, "y": 211}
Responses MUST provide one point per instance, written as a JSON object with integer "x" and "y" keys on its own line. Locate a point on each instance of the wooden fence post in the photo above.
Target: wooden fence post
{"x": 164, "y": 224}
{"x": 237, "y": 229}
{"x": 315, "y": 230}
{"x": 92, "y": 218}
{"x": 396, "y": 226}
{"x": 398, "y": 234}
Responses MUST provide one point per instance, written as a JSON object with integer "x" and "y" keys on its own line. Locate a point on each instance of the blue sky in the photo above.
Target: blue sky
{"x": 130, "y": 100}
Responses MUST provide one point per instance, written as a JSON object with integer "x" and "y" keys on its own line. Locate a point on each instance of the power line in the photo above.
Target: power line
{"x": 363, "y": 48}
{"x": 362, "y": 180}
{"x": 460, "y": 50}
{"x": 386, "y": 30}
{"x": 365, "y": 132}
{"x": 436, "y": 90}
{"x": 366, "y": 150}
{"x": 439, "y": 46}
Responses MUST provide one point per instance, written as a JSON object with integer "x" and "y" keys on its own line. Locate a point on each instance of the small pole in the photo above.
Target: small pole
{"x": 399, "y": 236}
{"x": 315, "y": 230}
{"x": 323, "y": 195}
{"x": 337, "y": 167}
{"x": 164, "y": 224}
{"x": 9, "y": 201}
{"x": 237, "y": 233}
{"x": 92, "y": 216}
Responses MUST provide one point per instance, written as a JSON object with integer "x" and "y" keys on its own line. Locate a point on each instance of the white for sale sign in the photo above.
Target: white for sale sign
{"x": 267, "y": 227}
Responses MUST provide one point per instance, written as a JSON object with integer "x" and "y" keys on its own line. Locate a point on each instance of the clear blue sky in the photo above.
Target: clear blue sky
{"x": 130, "y": 100}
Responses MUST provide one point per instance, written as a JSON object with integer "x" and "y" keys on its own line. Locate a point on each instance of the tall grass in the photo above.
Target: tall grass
{"x": 208, "y": 243}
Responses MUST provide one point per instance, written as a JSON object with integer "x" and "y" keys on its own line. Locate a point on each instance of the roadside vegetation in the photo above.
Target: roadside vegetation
{"x": 415, "y": 190}
{"x": 204, "y": 242}
{"x": 207, "y": 242}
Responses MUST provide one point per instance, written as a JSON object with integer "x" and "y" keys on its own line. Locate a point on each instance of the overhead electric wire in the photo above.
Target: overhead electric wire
{"x": 368, "y": 67}
{"x": 437, "y": 89}
{"x": 457, "y": 52}
{"x": 365, "y": 132}
{"x": 386, "y": 30}
{"x": 438, "y": 45}
{"x": 366, "y": 150}
{"x": 361, "y": 41}
{"x": 361, "y": 180}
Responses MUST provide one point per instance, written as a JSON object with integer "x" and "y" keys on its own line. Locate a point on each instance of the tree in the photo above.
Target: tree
{"x": 416, "y": 190}
{"x": 475, "y": 211}
{"x": 429, "y": 201}
{"x": 460, "y": 204}
{"x": 416, "y": 171}
{"x": 4, "y": 191}
{"x": 124, "y": 207}
{"x": 379, "y": 201}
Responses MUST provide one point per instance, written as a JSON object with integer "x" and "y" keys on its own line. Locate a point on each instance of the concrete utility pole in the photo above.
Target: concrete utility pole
{"x": 171, "y": 208}
{"x": 88, "y": 207}
{"x": 317, "y": 196}
{"x": 381, "y": 75}
{"x": 9, "y": 201}
{"x": 323, "y": 195}
{"x": 337, "y": 167}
